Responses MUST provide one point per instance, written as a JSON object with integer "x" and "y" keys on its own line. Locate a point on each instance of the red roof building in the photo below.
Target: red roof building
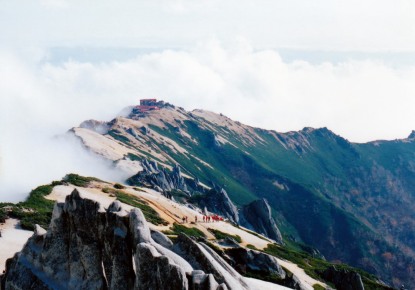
{"x": 148, "y": 105}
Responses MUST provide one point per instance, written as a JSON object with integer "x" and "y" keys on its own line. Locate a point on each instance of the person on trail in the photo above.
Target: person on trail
{"x": 195, "y": 218}
{"x": 184, "y": 218}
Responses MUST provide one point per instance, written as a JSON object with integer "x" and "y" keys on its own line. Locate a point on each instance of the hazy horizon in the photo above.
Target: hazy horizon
{"x": 346, "y": 66}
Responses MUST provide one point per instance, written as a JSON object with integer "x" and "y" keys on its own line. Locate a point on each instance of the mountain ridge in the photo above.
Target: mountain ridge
{"x": 356, "y": 185}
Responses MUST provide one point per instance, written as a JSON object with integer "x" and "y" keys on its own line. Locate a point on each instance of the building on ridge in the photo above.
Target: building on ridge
{"x": 148, "y": 105}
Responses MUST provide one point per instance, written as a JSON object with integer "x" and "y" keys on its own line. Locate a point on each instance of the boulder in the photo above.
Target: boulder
{"x": 202, "y": 257}
{"x": 155, "y": 271}
{"x": 161, "y": 239}
{"x": 251, "y": 261}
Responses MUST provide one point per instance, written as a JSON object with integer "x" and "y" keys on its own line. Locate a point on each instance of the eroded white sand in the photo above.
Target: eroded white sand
{"x": 297, "y": 271}
{"x": 246, "y": 237}
{"x": 255, "y": 284}
{"x": 60, "y": 192}
{"x": 102, "y": 145}
{"x": 12, "y": 240}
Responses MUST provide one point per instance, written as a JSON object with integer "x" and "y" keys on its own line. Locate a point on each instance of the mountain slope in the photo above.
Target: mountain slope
{"x": 353, "y": 202}
{"x": 98, "y": 221}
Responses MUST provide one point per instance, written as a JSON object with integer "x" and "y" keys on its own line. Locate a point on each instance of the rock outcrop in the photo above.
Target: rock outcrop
{"x": 257, "y": 216}
{"x": 88, "y": 247}
{"x": 343, "y": 279}
{"x": 217, "y": 200}
{"x": 159, "y": 179}
{"x": 251, "y": 261}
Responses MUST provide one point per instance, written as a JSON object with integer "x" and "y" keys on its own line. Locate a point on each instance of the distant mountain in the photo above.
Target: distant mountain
{"x": 354, "y": 203}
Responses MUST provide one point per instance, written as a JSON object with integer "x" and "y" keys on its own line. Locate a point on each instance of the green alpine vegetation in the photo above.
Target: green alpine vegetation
{"x": 353, "y": 202}
{"x": 314, "y": 267}
{"x": 79, "y": 180}
{"x": 36, "y": 209}
{"x": 181, "y": 229}
{"x": 221, "y": 235}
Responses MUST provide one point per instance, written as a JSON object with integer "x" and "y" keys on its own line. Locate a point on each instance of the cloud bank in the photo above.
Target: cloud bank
{"x": 360, "y": 100}
{"x": 319, "y": 24}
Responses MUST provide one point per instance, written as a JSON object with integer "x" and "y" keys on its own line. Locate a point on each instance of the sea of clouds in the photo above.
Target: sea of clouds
{"x": 361, "y": 100}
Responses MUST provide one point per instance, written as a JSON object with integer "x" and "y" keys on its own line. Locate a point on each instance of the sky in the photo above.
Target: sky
{"x": 281, "y": 65}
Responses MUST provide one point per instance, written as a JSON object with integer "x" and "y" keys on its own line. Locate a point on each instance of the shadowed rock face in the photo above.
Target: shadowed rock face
{"x": 87, "y": 247}
{"x": 159, "y": 179}
{"x": 217, "y": 200}
{"x": 246, "y": 260}
{"x": 257, "y": 216}
{"x": 344, "y": 279}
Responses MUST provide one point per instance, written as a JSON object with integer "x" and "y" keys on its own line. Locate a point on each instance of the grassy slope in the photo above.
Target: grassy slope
{"x": 312, "y": 207}
{"x": 314, "y": 266}
{"x": 37, "y": 210}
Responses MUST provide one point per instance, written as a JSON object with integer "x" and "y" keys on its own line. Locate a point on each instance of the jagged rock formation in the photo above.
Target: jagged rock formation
{"x": 251, "y": 262}
{"x": 246, "y": 260}
{"x": 200, "y": 256}
{"x": 217, "y": 200}
{"x": 87, "y": 247}
{"x": 257, "y": 216}
{"x": 159, "y": 179}
{"x": 343, "y": 279}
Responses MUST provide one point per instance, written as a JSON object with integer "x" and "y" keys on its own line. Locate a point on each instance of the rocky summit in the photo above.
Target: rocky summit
{"x": 89, "y": 247}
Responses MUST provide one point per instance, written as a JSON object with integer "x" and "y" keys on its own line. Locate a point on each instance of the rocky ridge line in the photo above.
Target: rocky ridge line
{"x": 88, "y": 247}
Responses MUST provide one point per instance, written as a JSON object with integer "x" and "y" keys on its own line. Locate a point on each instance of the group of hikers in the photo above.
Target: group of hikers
{"x": 205, "y": 218}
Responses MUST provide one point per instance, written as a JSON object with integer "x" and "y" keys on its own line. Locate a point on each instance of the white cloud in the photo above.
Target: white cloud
{"x": 369, "y": 25}
{"x": 360, "y": 100}
{"x": 54, "y": 3}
